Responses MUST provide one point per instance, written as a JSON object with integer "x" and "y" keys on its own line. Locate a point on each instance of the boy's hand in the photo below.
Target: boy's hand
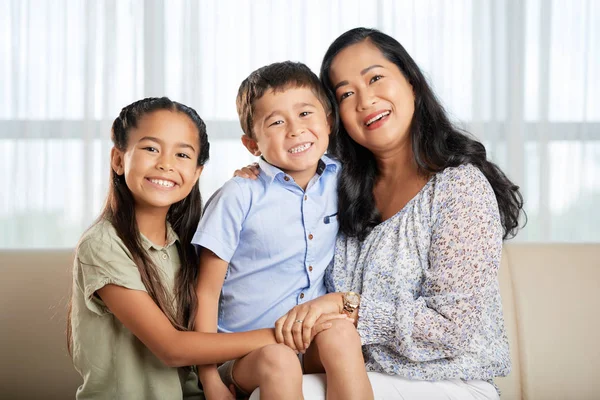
{"x": 249, "y": 172}
{"x": 298, "y": 327}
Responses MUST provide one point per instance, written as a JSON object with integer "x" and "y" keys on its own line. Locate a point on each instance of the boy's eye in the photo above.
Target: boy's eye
{"x": 305, "y": 113}
{"x": 345, "y": 95}
{"x": 278, "y": 122}
{"x": 151, "y": 149}
{"x": 183, "y": 155}
{"x": 375, "y": 78}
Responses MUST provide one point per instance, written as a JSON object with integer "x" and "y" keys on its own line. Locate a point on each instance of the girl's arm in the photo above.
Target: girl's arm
{"x": 208, "y": 289}
{"x": 138, "y": 312}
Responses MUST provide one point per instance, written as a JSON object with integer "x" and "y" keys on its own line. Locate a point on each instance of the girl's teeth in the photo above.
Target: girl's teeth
{"x": 300, "y": 148}
{"x": 377, "y": 117}
{"x": 162, "y": 183}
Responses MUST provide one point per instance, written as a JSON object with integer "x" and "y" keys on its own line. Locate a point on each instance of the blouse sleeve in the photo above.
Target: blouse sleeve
{"x": 101, "y": 261}
{"x": 464, "y": 257}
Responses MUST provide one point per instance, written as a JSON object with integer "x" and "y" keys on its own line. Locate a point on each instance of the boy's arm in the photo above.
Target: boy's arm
{"x": 208, "y": 289}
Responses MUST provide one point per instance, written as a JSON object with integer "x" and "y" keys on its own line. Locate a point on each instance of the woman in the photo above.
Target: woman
{"x": 422, "y": 217}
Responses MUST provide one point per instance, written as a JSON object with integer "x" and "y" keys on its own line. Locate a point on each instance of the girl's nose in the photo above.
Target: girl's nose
{"x": 164, "y": 164}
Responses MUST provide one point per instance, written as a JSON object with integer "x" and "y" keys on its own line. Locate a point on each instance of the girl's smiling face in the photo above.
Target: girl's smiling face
{"x": 160, "y": 163}
{"x": 376, "y": 102}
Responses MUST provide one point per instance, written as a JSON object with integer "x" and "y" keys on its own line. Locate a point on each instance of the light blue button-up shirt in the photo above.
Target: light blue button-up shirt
{"x": 277, "y": 238}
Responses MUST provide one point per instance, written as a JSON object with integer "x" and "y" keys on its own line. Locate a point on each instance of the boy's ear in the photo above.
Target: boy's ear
{"x": 330, "y": 121}
{"x": 116, "y": 161}
{"x": 251, "y": 145}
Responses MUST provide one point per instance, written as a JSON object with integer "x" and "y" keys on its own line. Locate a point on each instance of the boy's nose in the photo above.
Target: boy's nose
{"x": 297, "y": 131}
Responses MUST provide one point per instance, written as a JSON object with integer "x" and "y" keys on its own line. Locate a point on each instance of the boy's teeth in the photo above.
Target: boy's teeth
{"x": 377, "y": 117}
{"x": 162, "y": 183}
{"x": 300, "y": 148}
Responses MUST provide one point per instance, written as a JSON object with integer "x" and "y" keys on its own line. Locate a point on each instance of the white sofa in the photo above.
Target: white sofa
{"x": 551, "y": 296}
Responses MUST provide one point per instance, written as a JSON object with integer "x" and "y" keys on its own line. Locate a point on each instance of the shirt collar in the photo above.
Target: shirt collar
{"x": 271, "y": 172}
{"x": 171, "y": 239}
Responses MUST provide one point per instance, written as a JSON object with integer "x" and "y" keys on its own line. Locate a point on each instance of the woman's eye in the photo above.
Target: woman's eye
{"x": 375, "y": 78}
{"x": 305, "y": 113}
{"x": 345, "y": 95}
{"x": 151, "y": 149}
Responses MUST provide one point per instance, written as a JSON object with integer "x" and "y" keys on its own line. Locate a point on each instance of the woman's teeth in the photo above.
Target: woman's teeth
{"x": 377, "y": 117}
{"x": 162, "y": 183}
{"x": 300, "y": 148}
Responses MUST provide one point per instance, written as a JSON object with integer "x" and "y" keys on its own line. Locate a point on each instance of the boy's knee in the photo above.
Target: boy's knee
{"x": 342, "y": 335}
{"x": 277, "y": 360}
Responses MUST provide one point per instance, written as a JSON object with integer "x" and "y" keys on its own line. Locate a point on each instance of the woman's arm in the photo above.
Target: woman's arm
{"x": 459, "y": 285}
{"x": 138, "y": 312}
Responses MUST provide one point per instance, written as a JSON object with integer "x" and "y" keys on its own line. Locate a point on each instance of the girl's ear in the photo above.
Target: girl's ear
{"x": 116, "y": 161}
{"x": 251, "y": 145}
{"x": 198, "y": 172}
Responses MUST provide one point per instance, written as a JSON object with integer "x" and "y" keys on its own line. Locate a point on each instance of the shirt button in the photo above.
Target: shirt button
{"x": 164, "y": 256}
{"x": 301, "y": 295}
{"x": 310, "y": 268}
{"x": 310, "y": 236}
{"x": 305, "y": 197}
{"x": 286, "y": 178}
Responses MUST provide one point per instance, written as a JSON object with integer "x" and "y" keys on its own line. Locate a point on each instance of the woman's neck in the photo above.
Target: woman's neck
{"x": 396, "y": 165}
{"x": 152, "y": 223}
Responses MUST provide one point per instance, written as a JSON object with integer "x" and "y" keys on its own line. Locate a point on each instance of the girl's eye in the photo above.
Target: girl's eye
{"x": 278, "y": 122}
{"x": 375, "y": 78}
{"x": 305, "y": 113}
{"x": 345, "y": 95}
{"x": 151, "y": 149}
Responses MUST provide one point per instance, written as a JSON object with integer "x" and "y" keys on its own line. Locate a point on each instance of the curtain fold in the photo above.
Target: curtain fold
{"x": 522, "y": 76}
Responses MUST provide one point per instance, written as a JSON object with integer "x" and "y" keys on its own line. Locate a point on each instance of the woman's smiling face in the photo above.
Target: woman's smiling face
{"x": 376, "y": 102}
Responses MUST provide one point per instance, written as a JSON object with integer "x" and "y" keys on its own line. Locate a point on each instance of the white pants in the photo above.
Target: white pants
{"x": 389, "y": 387}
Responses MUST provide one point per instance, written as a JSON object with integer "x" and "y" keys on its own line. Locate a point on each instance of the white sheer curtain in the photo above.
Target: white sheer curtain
{"x": 524, "y": 76}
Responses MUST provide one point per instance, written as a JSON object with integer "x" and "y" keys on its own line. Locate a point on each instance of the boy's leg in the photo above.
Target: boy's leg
{"x": 274, "y": 368}
{"x": 337, "y": 351}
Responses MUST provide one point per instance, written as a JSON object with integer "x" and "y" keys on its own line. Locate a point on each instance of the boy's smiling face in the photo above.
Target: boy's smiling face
{"x": 291, "y": 131}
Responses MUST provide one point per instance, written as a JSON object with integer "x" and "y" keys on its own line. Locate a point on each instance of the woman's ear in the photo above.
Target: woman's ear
{"x": 116, "y": 161}
{"x": 251, "y": 145}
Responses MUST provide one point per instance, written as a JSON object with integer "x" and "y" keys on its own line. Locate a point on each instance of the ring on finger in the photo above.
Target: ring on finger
{"x": 299, "y": 321}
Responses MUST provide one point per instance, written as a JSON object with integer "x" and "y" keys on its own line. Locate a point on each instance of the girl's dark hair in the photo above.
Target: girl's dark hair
{"x": 436, "y": 144}
{"x": 183, "y": 216}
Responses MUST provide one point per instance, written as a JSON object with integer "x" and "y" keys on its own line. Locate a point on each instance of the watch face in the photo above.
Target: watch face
{"x": 352, "y": 299}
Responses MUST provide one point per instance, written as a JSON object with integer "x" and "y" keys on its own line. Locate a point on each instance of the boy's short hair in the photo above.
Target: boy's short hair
{"x": 278, "y": 77}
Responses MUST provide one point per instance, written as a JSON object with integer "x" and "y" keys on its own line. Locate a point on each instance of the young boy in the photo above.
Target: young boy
{"x": 265, "y": 243}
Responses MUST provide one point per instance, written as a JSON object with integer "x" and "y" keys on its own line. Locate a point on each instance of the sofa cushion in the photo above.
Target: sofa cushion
{"x": 557, "y": 300}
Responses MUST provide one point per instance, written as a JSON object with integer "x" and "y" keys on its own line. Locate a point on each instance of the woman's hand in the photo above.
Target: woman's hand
{"x": 249, "y": 172}
{"x": 299, "y": 326}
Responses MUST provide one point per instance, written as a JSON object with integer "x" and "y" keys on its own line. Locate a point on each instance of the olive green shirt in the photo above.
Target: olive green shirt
{"x": 113, "y": 362}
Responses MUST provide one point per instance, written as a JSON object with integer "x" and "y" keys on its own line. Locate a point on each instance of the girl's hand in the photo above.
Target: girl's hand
{"x": 249, "y": 172}
{"x": 216, "y": 390}
{"x": 298, "y": 327}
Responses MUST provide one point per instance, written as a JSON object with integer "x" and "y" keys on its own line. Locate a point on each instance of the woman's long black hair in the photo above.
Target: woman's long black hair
{"x": 183, "y": 216}
{"x": 436, "y": 144}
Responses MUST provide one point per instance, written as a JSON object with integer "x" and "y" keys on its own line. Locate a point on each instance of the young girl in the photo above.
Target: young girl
{"x": 134, "y": 277}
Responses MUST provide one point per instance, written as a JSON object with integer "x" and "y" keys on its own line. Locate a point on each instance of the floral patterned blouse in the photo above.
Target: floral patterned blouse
{"x": 428, "y": 277}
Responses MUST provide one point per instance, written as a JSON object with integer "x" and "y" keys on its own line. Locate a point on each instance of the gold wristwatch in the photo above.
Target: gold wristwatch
{"x": 351, "y": 302}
